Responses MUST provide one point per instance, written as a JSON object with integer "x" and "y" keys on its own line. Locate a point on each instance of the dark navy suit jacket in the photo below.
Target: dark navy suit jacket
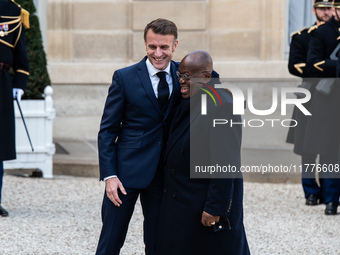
{"x": 130, "y": 139}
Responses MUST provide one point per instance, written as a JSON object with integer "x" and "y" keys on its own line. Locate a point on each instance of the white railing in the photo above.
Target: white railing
{"x": 39, "y": 115}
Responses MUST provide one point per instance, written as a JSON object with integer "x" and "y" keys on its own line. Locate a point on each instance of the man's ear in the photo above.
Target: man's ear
{"x": 174, "y": 46}
{"x": 334, "y": 11}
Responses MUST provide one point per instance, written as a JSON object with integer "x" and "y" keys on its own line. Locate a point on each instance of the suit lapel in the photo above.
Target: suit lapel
{"x": 145, "y": 80}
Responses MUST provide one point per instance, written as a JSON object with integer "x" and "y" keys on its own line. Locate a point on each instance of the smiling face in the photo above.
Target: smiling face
{"x": 201, "y": 74}
{"x": 160, "y": 48}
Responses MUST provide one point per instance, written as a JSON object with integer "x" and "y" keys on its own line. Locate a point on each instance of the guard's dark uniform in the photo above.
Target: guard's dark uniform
{"x": 13, "y": 56}
{"x": 296, "y": 135}
{"x": 323, "y": 136}
{"x": 297, "y": 66}
{"x": 298, "y": 53}
{"x": 13, "y": 74}
{"x": 338, "y": 75}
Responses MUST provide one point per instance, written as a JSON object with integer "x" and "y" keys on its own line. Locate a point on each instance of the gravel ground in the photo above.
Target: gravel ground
{"x": 62, "y": 216}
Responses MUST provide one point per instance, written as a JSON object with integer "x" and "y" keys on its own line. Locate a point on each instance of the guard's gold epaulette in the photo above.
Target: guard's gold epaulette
{"x": 25, "y": 15}
{"x": 298, "y": 32}
{"x": 312, "y": 28}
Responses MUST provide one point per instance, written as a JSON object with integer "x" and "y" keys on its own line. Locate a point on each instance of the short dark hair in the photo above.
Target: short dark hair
{"x": 161, "y": 26}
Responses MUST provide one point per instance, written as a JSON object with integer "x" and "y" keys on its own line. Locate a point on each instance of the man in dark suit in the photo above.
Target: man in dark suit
{"x": 13, "y": 78}
{"x": 202, "y": 214}
{"x": 132, "y": 135}
{"x": 324, "y": 122}
{"x": 297, "y": 66}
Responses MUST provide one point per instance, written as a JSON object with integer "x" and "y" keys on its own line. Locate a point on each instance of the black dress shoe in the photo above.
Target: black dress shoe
{"x": 3, "y": 212}
{"x": 312, "y": 200}
{"x": 331, "y": 208}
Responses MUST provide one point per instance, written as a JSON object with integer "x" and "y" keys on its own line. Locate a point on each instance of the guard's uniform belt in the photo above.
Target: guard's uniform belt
{"x": 5, "y": 67}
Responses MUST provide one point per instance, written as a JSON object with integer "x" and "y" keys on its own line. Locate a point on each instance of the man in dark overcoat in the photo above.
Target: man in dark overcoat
{"x": 13, "y": 78}
{"x": 202, "y": 215}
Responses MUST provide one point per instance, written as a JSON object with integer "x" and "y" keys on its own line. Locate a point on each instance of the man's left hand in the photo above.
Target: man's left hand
{"x": 208, "y": 220}
{"x": 17, "y": 93}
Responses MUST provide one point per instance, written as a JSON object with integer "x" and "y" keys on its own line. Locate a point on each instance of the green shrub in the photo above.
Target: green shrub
{"x": 38, "y": 78}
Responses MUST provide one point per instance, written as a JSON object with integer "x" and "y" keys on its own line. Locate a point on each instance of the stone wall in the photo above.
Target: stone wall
{"x": 88, "y": 39}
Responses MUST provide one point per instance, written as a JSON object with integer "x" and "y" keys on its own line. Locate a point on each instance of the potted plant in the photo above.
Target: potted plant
{"x": 37, "y": 106}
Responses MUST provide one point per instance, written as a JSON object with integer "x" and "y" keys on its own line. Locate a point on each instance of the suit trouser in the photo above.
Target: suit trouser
{"x": 308, "y": 176}
{"x": 116, "y": 219}
{"x": 331, "y": 180}
{"x": 1, "y": 177}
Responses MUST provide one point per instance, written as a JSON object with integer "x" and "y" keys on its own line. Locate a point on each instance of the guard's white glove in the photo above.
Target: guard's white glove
{"x": 17, "y": 93}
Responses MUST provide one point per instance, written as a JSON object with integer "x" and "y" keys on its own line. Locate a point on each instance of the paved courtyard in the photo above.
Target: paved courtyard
{"x": 62, "y": 216}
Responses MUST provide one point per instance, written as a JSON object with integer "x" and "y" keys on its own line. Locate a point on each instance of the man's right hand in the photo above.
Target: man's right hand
{"x": 112, "y": 185}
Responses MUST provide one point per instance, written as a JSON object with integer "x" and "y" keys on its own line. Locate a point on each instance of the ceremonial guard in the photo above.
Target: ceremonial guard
{"x": 297, "y": 66}
{"x": 322, "y": 135}
{"x": 13, "y": 76}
